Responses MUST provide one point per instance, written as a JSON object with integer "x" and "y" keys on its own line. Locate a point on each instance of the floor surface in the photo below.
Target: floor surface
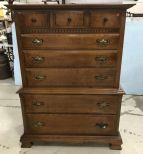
{"x": 11, "y": 127}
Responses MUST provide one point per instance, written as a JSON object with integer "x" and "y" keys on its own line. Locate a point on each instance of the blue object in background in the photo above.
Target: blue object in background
{"x": 17, "y": 73}
{"x": 132, "y": 62}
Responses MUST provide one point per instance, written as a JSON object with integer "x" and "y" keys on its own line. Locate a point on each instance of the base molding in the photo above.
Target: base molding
{"x": 114, "y": 142}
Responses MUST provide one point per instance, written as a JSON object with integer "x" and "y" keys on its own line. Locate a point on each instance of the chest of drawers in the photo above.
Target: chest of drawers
{"x": 70, "y": 58}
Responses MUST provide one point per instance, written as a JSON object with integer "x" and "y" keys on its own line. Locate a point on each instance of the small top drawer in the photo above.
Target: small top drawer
{"x": 33, "y": 19}
{"x": 68, "y": 19}
{"x": 102, "y": 19}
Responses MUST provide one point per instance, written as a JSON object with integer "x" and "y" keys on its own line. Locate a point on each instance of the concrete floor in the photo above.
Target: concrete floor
{"x": 11, "y": 128}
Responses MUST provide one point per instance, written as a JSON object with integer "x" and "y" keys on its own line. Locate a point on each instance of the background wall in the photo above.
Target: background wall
{"x": 132, "y": 63}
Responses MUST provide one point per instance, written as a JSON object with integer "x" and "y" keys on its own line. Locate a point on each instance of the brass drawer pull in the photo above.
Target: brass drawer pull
{"x": 38, "y": 59}
{"x": 37, "y": 41}
{"x": 102, "y": 59}
{"x": 101, "y": 77}
{"x": 39, "y": 124}
{"x": 37, "y": 103}
{"x": 103, "y": 42}
{"x": 40, "y": 77}
{"x": 103, "y": 104}
{"x": 102, "y": 125}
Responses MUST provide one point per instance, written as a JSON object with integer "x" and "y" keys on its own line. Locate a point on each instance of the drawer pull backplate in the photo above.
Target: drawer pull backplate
{"x": 38, "y": 124}
{"x": 37, "y": 41}
{"x": 101, "y": 77}
{"x": 37, "y": 103}
{"x": 38, "y": 59}
{"x": 103, "y": 42}
{"x": 103, "y": 104}
{"x": 102, "y": 59}
{"x": 102, "y": 125}
{"x": 40, "y": 77}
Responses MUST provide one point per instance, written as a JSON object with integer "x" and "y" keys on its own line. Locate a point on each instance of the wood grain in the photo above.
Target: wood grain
{"x": 69, "y": 41}
{"x": 70, "y": 57}
{"x": 95, "y": 104}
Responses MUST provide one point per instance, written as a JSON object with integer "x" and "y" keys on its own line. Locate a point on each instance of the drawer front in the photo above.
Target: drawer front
{"x": 33, "y": 20}
{"x": 71, "y": 124}
{"x": 75, "y": 58}
{"x": 100, "y": 104}
{"x": 70, "y": 41}
{"x": 68, "y": 19}
{"x": 71, "y": 77}
{"x": 103, "y": 19}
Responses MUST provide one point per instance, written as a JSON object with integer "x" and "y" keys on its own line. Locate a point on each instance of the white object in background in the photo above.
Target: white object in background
{"x": 17, "y": 73}
{"x": 94, "y": 1}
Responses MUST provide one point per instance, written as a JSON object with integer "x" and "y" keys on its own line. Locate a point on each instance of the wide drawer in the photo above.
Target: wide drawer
{"x": 88, "y": 77}
{"x": 71, "y": 124}
{"x": 100, "y": 104}
{"x": 76, "y": 58}
{"x": 70, "y": 41}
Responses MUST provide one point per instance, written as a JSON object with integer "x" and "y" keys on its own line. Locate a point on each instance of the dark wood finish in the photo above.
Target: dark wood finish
{"x": 70, "y": 41}
{"x": 33, "y": 20}
{"x": 73, "y": 140}
{"x": 77, "y": 77}
{"x": 116, "y": 146}
{"x": 76, "y": 58}
{"x": 70, "y": 58}
{"x": 69, "y": 124}
{"x": 105, "y": 19}
{"x": 117, "y": 7}
{"x": 69, "y": 90}
{"x": 26, "y": 144}
{"x": 103, "y": 104}
{"x": 69, "y": 19}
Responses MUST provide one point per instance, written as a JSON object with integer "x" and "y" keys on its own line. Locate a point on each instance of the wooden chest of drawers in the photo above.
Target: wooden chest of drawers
{"x": 70, "y": 58}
